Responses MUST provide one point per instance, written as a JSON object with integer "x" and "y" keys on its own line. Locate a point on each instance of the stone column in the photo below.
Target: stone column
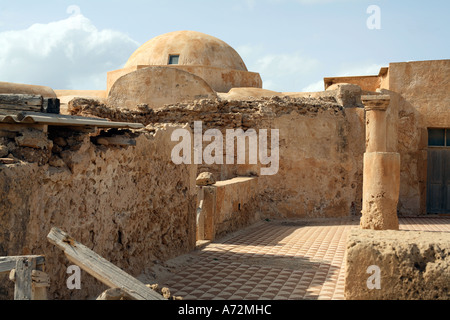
{"x": 375, "y": 107}
{"x": 381, "y": 180}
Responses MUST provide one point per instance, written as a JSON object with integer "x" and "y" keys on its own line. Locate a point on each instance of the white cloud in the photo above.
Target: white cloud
{"x": 363, "y": 70}
{"x": 249, "y": 52}
{"x": 282, "y": 65}
{"x": 279, "y": 71}
{"x": 67, "y": 54}
{"x": 314, "y": 87}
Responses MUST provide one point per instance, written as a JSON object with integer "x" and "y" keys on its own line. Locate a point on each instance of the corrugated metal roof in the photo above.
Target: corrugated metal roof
{"x": 64, "y": 120}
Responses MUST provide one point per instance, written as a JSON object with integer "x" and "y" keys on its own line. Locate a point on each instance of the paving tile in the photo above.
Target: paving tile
{"x": 227, "y": 269}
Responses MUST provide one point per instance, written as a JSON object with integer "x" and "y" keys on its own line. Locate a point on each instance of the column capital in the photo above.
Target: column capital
{"x": 376, "y": 102}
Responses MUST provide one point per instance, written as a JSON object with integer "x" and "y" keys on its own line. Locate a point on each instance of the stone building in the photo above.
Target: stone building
{"x": 174, "y": 67}
{"x": 419, "y": 122}
{"x": 117, "y": 190}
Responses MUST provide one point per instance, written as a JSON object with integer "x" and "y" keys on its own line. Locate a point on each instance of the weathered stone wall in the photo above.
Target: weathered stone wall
{"x": 397, "y": 265}
{"x": 420, "y": 98}
{"x": 421, "y": 90}
{"x": 368, "y": 83}
{"x": 131, "y": 205}
{"x": 320, "y": 172}
{"x": 157, "y": 86}
{"x": 321, "y": 148}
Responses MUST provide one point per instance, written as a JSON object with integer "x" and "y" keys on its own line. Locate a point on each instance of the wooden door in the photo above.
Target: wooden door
{"x": 438, "y": 185}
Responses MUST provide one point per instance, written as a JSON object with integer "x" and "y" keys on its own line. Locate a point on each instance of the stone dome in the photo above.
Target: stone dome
{"x": 187, "y": 48}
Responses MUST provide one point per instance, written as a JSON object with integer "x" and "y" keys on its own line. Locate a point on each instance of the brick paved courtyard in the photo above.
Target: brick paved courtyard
{"x": 277, "y": 260}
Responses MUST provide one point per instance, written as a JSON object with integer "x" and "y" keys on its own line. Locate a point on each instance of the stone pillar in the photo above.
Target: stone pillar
{"x": 375, "y": 107}
{"x": 209, "y": 212}
{"x": 381, "y": 189}
{"x": 381, "y": 180}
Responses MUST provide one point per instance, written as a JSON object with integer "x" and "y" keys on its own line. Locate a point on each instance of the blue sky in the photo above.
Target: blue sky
{"x": 294, "y": 44}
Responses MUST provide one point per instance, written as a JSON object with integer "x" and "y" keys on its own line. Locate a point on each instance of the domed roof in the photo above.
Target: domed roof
{"x": 187, "y": 48}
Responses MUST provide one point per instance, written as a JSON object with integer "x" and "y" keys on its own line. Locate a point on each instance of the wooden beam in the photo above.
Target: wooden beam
{"x": 9, "y": 263}
{"x": 100, "y": 268}
{"x": 21, "y": 100}
{"x": 11, "y": 104}
{"x": 114, "y": 294}
{"x": 13, "y": 108}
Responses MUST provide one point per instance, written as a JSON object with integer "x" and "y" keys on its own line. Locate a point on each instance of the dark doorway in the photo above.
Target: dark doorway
{"x": 438, "y": 175}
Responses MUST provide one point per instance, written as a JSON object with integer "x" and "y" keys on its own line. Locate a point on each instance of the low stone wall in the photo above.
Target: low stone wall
{"x": 131, "y": 205}
{"x": 397, "y": 265}
{"x": 228, "y": 206}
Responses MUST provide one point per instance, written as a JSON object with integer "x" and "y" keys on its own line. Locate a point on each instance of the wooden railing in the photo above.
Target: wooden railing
{"x": 28, "y": 274}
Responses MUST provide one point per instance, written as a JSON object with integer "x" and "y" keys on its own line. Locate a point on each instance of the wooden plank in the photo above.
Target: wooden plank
{"x": 114, "y": 294}
{"x": 21, "y": 100}
{"x": 40, "y": 279}
{"x": 9, "y": 263}
{"x": 23, "y": 288}
{"x": 100, "y": 268}
{"x": 10, "y": 108}
{"x": 40, "y": 282}
{"x": 72, "y": 121}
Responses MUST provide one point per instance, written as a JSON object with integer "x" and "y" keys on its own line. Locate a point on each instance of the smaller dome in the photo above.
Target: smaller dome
{"x": 188, "y": 48}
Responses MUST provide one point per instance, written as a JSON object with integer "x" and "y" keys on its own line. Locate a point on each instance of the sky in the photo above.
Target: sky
{"x": 293, "y": 44}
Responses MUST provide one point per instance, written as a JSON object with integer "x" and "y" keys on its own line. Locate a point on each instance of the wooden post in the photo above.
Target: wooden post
{"x": 27, "y": 272}
{"x": 209, "y": 212}
{"x": 23, "y": 287}
{"x": 200, "y": 215}
{"x": 40, "y": 282}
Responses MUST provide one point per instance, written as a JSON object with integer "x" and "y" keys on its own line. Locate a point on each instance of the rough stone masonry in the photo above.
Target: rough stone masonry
{"x": 412, "y": 265}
